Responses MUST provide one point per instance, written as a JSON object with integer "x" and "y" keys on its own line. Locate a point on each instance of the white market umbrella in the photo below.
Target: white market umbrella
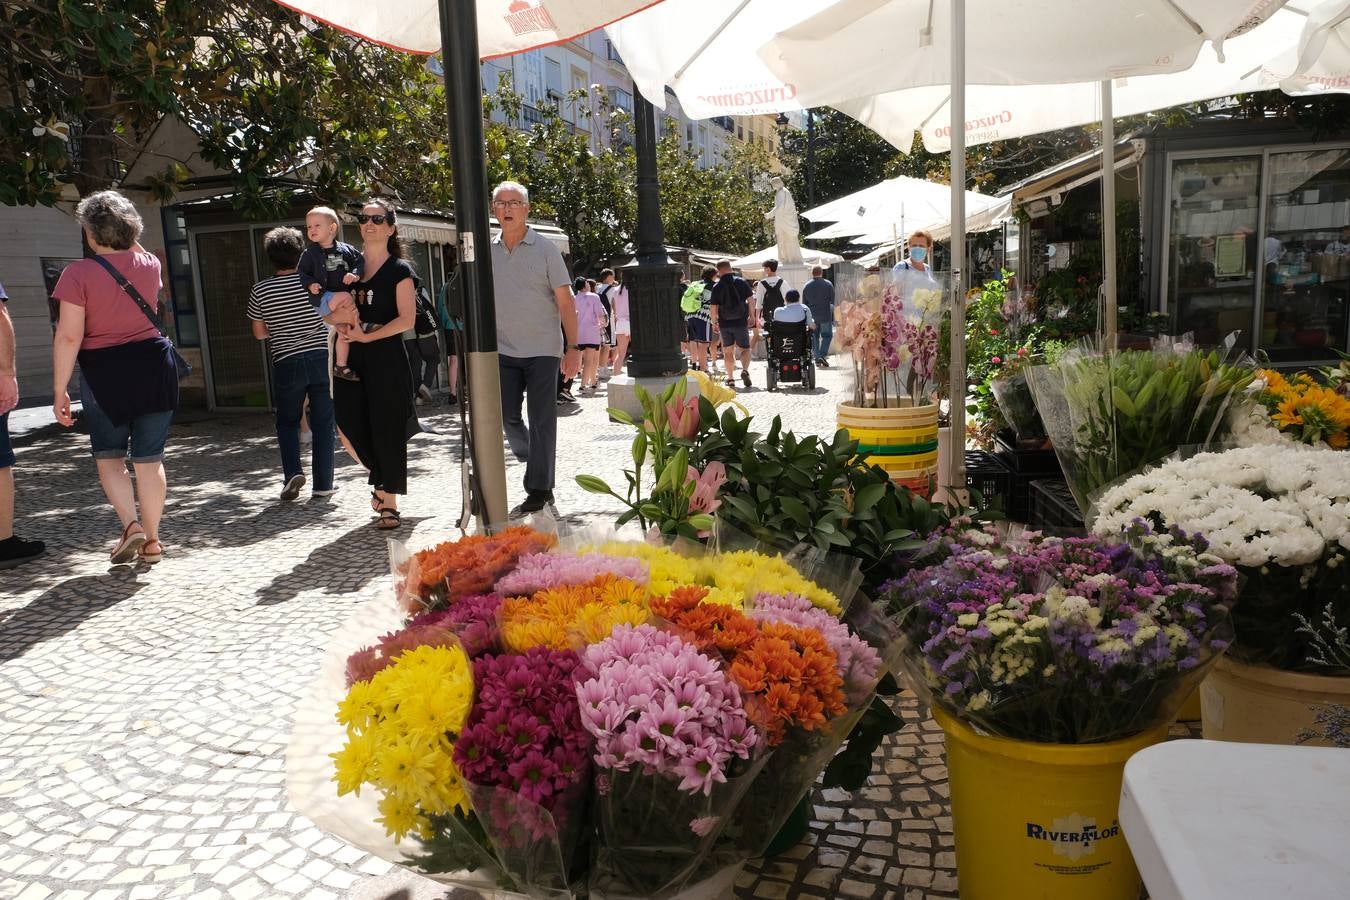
{"x": 997, "y": 112}
{"x": 504, "y": 26}
{"x": 1323, "y": 56}
{"x": 902, "y": 203}
{"x": 755, "y": 261}
{"x": 981, "y": 219}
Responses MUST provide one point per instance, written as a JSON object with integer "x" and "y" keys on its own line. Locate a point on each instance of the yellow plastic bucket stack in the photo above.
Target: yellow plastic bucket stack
{"x": 1039, "y": 821}
{"x": 900, "y": 438}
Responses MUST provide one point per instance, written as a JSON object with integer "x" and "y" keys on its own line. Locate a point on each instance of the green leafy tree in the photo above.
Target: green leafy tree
{"x": 274, "y": 98}
{"x": 717, "y": 208}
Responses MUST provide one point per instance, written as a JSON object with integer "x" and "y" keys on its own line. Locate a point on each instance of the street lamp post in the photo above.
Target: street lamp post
{"x": 652, "y": 280}
{"x": 810, "y": 159}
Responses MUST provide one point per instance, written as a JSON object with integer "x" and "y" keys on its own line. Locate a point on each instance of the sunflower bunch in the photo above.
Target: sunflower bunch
{"x": 1310, "y": 412}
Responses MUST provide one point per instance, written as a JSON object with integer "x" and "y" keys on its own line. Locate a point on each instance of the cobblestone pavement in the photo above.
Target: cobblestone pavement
{"x": 144, "y": 713}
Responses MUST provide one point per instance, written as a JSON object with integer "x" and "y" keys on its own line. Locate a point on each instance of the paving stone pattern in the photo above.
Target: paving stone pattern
{"x": 144, "y": 712}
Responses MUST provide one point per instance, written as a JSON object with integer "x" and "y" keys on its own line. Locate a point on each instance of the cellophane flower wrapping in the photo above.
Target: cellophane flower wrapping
{"x": 508, "y": 719}
{"x": 1280, "y": 513}
{"x": 1112, "y": 412}
{"x": 892, "y": 334}
{"x": 1067, "y": 641}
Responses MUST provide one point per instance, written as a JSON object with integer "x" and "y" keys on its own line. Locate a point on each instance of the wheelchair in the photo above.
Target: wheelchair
{"x": 789, "y": 355}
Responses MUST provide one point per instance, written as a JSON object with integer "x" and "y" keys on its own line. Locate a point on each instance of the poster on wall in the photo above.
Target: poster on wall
{"x": 51, "y": 273}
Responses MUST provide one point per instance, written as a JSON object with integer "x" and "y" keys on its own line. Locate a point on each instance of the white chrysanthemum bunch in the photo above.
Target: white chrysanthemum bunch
{"x": 1283, "y": 504}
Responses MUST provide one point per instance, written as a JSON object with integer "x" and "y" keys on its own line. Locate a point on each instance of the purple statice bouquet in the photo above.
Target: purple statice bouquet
{"x": 524, "y": 753}
{"x": 542, "y": 571}
{"x": 472, "y": 619}
{"x": 1072, "y": 641}
{"x": 674, "y": 752}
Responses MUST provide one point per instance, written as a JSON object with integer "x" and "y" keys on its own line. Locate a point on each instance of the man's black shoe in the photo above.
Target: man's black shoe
{"x": 535, "y": 501}
{"x": 15, "y": 551}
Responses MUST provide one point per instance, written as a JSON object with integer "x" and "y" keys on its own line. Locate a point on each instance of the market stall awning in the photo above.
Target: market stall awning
{"x": 504, "y": 26}
{"x": 1052, "y": 183}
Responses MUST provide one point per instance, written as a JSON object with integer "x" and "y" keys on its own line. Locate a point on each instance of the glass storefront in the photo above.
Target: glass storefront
{"x": 1215, "y": 205}
{"x": 1259, "y": 245}
{"x": 1306, "y": 255}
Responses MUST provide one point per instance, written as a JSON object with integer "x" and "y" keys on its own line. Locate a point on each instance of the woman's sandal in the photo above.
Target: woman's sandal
{"x": 149, "y": 556}
{"x": 128, "y": 547}
{"x": 389, "y": 519}
{"x": 376, "y": 504}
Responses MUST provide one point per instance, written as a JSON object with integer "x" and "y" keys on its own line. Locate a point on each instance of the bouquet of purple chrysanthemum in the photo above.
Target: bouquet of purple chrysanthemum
{"x": 1071, "y": 641}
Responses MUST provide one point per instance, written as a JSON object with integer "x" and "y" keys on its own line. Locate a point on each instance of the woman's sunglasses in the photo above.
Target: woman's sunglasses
{"x": 378, "y": 220}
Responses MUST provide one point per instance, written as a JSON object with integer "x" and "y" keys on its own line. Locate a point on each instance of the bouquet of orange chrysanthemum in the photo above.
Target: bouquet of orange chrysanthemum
{"x": 1310, "y": 412}
{"x": 437, "y": 576}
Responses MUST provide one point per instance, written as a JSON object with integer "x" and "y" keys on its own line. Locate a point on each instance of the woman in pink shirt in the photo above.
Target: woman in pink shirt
{"x": 129, "y": 380}
{"x": 591, "y": 320}
{"x": 617, "y": 295}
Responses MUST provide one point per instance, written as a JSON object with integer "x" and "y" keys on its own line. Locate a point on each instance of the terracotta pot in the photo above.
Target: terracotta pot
{"x": 1262, "y": 705}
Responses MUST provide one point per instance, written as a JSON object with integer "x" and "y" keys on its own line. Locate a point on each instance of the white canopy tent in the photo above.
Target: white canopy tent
{"x": 753, "y": 264}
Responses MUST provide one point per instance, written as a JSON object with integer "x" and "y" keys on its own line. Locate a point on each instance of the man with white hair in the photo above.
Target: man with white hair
{"x": 536, "y": 336}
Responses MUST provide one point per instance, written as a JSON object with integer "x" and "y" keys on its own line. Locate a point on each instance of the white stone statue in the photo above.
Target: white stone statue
{"x": 785, "y": 227}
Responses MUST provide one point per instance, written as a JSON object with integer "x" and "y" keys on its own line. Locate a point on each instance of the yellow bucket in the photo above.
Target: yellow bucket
{"x": 905, "y": 466}
{"x": 1039, "y": 821}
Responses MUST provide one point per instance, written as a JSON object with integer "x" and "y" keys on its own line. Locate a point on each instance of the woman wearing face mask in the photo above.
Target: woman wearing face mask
{"x": 915, "y": 270}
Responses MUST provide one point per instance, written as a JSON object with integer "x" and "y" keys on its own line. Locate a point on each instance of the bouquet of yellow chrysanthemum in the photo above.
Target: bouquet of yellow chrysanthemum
{"x": 1308, "y": 411}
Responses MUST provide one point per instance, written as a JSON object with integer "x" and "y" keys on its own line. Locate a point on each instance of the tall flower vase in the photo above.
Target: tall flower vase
{"x": 900, "y": 437}
{"x": 1039, "y": 820}
{"x": 1263, "y": 705}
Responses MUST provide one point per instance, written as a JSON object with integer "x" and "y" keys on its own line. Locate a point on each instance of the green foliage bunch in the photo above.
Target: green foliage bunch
{"x": 1110, "y": 414}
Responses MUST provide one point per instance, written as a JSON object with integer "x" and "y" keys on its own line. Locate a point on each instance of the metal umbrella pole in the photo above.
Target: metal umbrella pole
{"x": 955, "y": 476}
{"x": 1109, "y": 303}
{"x": 464, "y": 108}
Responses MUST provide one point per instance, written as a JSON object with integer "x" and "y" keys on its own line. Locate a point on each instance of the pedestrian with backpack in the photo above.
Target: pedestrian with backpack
{"x": 696, "y": 304}
{"x": 424, "y": 351}
{"x": 733, "y": 302}
{"x": 770, "y": 291}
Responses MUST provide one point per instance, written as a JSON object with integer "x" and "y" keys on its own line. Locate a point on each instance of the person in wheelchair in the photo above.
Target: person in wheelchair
{"x": 790, "y": 343}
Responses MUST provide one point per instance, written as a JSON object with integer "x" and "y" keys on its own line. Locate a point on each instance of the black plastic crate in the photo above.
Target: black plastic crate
{"x": 1053, "y": 509}
{"x": 1024, "y": 462}
{"x": 989, "y": 477}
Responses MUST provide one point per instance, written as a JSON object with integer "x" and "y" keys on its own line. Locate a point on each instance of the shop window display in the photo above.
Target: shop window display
{"x": 1306, "y": 256}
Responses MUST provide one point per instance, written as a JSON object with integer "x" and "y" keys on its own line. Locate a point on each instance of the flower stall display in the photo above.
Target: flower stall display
{"x": 1110, "y": 413}
{"x": 1280, "y": 513}
{"x": 1048, "y": 662}
{"x": 615, "y": 719}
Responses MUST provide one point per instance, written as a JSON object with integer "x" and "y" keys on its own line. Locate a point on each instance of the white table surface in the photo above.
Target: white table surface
{"x": 1213, "y": 820}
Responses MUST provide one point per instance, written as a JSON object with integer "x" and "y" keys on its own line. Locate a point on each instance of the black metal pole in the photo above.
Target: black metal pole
{"x": 464, "y": 109}
{"x": 653, "y": 281}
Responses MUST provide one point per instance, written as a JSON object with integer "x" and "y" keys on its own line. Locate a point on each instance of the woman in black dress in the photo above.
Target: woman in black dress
{"x": 374, "y": 413}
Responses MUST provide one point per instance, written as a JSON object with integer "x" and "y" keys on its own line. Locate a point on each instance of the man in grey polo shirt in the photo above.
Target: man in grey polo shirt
{"x": 535, "y": 314}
